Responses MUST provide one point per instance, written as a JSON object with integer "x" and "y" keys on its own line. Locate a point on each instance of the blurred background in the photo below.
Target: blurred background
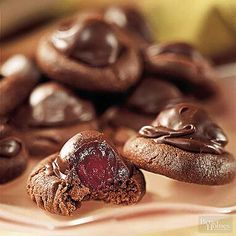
{"x": 208, "y": 24}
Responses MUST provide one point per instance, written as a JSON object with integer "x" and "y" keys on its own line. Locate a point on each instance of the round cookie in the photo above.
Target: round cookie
{"x": 183, "y": 65}
{"x": 13, "y": 158}
{"x": 152, "y": 95}
{"x": 50, "y": 117}
{"x": 90, "y": 54}
{"x": 116, "y": 117}
{"x": 144, "y": 103}
{"x": 183, "y": 143}
{"x": 88, "y": 167}
{"x": 141, "y": 107}
{"x": 19, "y": 76}
{"x": 120, "y": 124}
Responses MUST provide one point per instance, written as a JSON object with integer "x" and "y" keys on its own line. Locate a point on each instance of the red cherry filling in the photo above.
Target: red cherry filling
{"x": 99, "y": 166}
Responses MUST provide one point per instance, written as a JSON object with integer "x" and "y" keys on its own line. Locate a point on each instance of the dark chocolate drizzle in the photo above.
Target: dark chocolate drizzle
{"x": 53, "y": 168}
{"x": 9, "y": 148}
{"x": 160, "y": 131}
{"x": 92, "y": 41}
{"x": 187, "y": 127}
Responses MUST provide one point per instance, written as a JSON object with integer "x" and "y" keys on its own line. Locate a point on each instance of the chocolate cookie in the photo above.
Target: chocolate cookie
{"x": 90, "y": 54}
{"x": 19, "y": 76}
{"x": 119, "y": 124}
{"x": 146, "y": 101}
{"x": 116, "y": 117}
{"x": 51, "y": 116}
{"x": 13, "y": 156}
{"x": 119, "y": 135}
{"x": 88, "y": 167}
{"x": 183, "y": 143}
{"x": 152, "y": 95}
{"x": 183, "y": 65}
{"x": 132, "y": 21}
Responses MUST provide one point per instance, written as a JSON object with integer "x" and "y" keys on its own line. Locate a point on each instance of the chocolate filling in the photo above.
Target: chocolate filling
{"x": 91, "y": 41}
{"x": 187, "y": 127}
{"x": 51, "y": 104}
{"x": 9, "y": 148}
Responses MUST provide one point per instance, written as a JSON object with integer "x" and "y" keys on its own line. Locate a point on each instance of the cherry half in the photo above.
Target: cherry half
{"x": 99, "y": 166}
{"x": 95, "y": 162}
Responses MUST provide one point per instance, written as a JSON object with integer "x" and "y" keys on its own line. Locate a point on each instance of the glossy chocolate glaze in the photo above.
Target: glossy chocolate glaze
{"x": 95, "y": 163}
{"x": 19, "y": 66}
{"x": 91, "y": 41}
{"x": 130, "y": 19}
{"x": 51, "y": 104}
{"x": 9, "y": 148}
{"x": 187, "y": 127}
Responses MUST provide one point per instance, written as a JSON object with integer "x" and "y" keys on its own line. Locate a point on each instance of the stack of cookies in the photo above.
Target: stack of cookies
{"x": 102, "y": 100}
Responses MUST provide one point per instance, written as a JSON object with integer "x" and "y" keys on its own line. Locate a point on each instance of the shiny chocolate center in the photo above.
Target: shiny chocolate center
{"x": 92, "y": 42}
{"x": 19, "y": 66}
{"x": 9, "y": 148}
{"x": 52, "y": 104}
{"x": 187, "y": 127}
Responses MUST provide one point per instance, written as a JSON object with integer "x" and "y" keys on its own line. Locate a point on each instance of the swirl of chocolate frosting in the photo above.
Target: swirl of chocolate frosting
{"x": 187, "y": 127}
{"x": 92, "y": 41}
